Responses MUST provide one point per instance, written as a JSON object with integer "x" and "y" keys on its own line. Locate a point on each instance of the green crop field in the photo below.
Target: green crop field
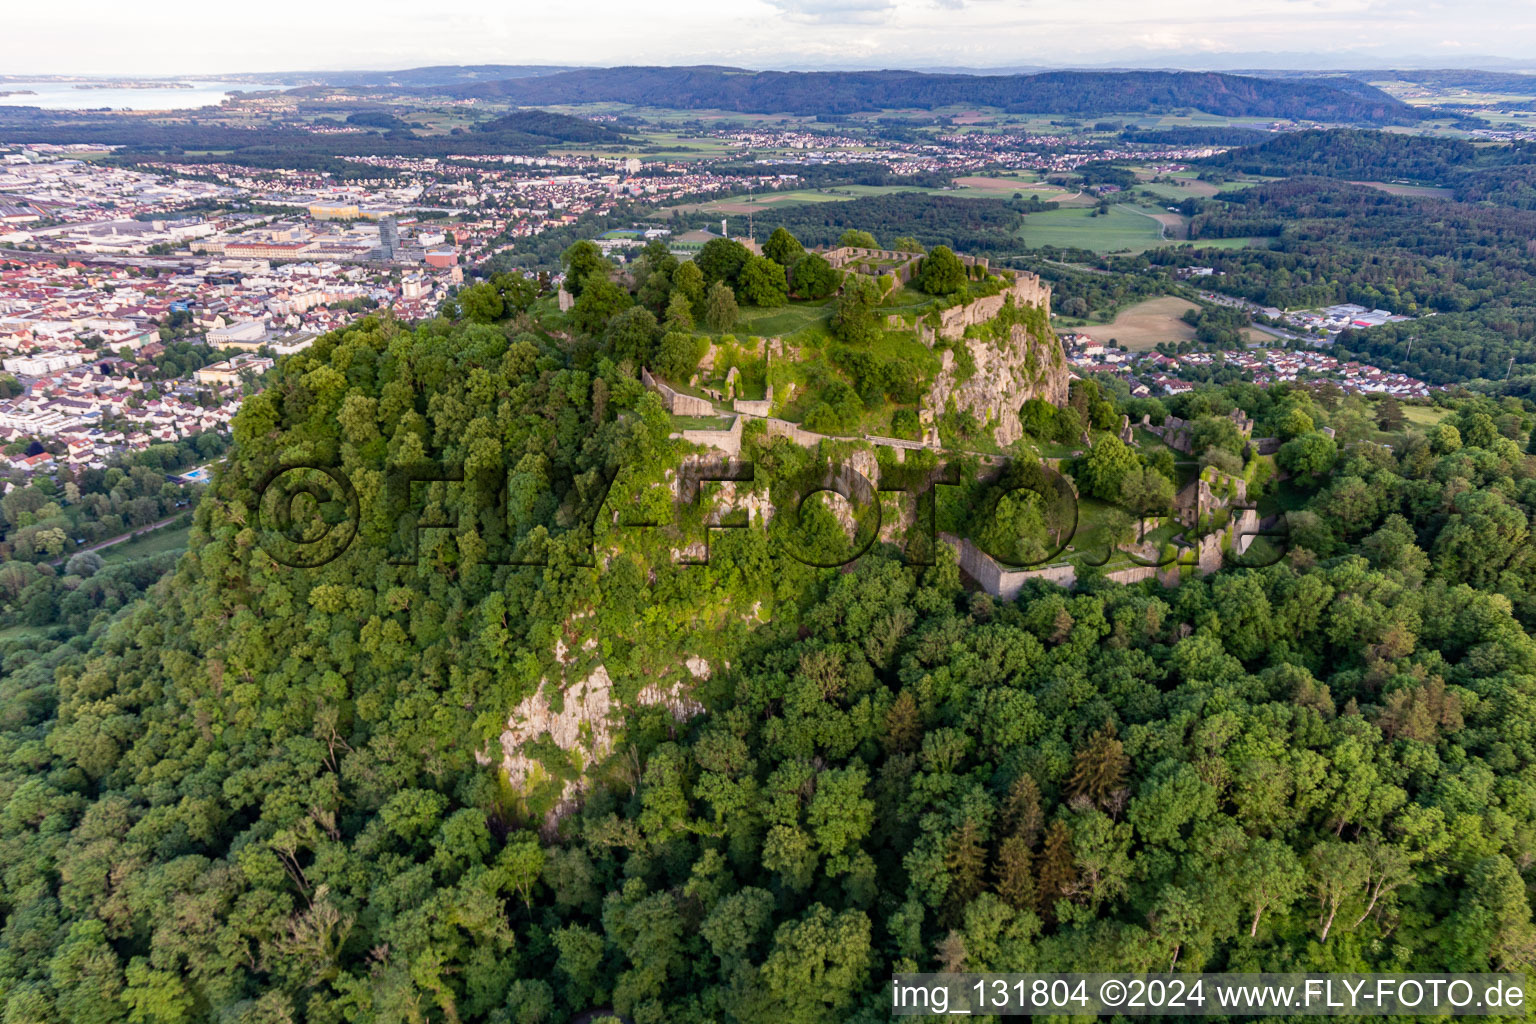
{"x": 1177, "y": 192}
{"x": 1121, "y": 228}
{"x": 1250, "y": 242}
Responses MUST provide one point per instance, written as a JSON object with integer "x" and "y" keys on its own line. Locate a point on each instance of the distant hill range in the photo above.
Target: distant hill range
{"x": 1084, "y": 93}
{"x": 521, "y": 131}
{"x": 409, "y": 78}
{"x": 1499, "y": 82}
{"x": 545, "y": 126}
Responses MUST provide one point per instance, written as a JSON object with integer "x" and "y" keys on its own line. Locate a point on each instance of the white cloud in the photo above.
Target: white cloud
{"x": 190, "y": 36}
{"x": 833, "y": 12}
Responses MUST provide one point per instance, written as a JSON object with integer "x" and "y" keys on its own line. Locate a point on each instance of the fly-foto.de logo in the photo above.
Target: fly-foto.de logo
{"x": 309, "y": 514}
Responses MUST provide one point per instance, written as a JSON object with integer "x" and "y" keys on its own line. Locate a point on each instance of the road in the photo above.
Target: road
{"x": 120, "y": 538}
{"x": 1276, "y": 332}
{"x": 1162, "y": 225}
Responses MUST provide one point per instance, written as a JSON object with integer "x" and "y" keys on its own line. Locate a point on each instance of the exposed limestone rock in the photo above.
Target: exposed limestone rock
{"x": 1008, "y": 370}
{"x": 582, "y": 725}
{"x": 676, "y": 698}
{"x": 585, "y": 727}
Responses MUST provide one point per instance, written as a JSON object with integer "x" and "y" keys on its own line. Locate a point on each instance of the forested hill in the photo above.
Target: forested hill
{"x": 1357, "y": 155}
{"x": 1054, "y": 92}
{"x": 277, "y": 794}
{"x": 552, "y": 127}
{"x": 438, "y": 74}
{"x": 1504, "y": 174}
{"x": 525, "y": 131}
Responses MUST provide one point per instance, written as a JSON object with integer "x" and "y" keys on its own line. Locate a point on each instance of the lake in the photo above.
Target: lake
{"x": 63, "y": 95}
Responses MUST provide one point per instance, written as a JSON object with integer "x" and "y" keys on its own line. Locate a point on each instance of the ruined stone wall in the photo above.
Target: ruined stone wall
{"x": 677, "y": 403}
{"x": 1265, "y": 445}
{"x": 905, "y": 269}
{"x": 1176, "y": 433}
{"x": 1002, "y": 582}
{"x": 728, "y": 441}
{"x": 1027, "y": 290}
{"x": 784, "y": 428}
{"x": 763, "y": 408}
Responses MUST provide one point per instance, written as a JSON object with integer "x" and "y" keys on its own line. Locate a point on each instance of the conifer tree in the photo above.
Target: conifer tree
{"x": 965, "y": 861}
{"x": 1099, "y": 768}
{"x": 903, "y": 725}
{"x": 1058, "y": 869}
{"x": 1021, "y": 810}
{"x": 1015, "y": 880}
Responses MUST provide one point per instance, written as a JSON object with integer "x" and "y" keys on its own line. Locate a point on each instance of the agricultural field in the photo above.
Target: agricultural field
{"x": 1006, "y": 186}
{"x": 1144, "y": 325}
{"x": 1205, "y": 189}
{"x": 1418, "y": 191}
{"x": 1176, "y": 189}
{"x": 1245, "y": 242}
{"x": 764, "y": 201}
{"x": 1123, "y": 229}
{"x": 966, "y": 188}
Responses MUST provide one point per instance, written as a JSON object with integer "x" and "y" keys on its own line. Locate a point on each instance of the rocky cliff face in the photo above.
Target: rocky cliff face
{"x": 584, "y": 729}
{"x": 1005, "y": 354}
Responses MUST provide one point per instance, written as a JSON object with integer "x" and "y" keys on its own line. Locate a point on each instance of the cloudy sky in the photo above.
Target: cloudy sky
{"x": 197, "y": 37}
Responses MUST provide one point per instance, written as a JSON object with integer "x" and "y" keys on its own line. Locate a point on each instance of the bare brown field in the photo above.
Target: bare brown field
{"x": 1009, "y": 185}
{"x": 1200, "y": 189}
{"x": 1175, "y": 225}
{"x": 1419, "y": 191}
{"x": 1142, "y": 326}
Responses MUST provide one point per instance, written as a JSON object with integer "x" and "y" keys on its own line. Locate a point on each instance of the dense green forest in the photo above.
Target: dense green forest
{"x": 1454, "y": 347}
{"x": 1503, "y": 174}
{"x": 1361, "y": 155}
{"x": 979, "y": 226}
{"x": 1186, "y": 135}
{"x": 276, "y": 794}
{"x": 1051, "y": 92}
